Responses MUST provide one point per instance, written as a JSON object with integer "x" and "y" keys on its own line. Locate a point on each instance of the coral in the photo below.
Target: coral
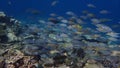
{"x": 2, "y": 14}
{"x": 9, "y": 28}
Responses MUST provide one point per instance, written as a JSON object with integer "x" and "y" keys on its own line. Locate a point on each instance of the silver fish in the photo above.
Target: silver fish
{"x": 103, "y": 28}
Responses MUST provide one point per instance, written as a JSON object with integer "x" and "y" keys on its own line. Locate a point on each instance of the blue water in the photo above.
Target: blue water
{"x": 18, "y": 8}
{"x": 42, "y": 39}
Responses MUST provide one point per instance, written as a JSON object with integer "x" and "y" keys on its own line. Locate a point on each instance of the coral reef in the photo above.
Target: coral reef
{"x": 55, "y": 45}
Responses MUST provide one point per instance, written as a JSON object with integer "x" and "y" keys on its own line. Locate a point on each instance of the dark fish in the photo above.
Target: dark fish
{"x": 33, "y": 11}
{"x": 53, "y": 20}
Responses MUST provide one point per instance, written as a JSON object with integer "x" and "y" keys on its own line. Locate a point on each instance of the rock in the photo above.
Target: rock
{"x": 48, "y": 65}
{"x": 106, "y": 62}
{"x": 47, "y": 62}
{"x": 10, "y": 66}
{"x": 78, "y": 52}
{"x": 93, "y": 66}
{"x": 9, "y": 28}
{"x": 115, "y": 53}
{"x": 91, "y": 61}
{"x": 63, "y": 66}
{"x": 13, "y": 59}
{"x": 59, "y": 59}
{"x": 19, "y": 63}
{"x": 2, "y": 62}
{"x": 2, "y": 29}
{"x": 104, "y": 53}
{"x": 6, "y": 20}
{"x": 2, "y": 14}
{"x": 31, "y": 50}
{"x": 18, "y": 60}
{"x": 68, "y": 61}
{"x": 3, "y": 52}
{"x": 11, "y": 37}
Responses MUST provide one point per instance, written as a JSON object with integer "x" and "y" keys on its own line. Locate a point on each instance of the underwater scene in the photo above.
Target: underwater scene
{"x": 59, "y": 33}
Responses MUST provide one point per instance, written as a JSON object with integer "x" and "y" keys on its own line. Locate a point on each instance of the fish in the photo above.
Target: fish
{"x": 53, "y": 14}
{"x": 70, "y": 13}
{"x": 113, "y": 34}
{"x": 92, "y": 40}
{"x": 102, "y": 20}
{"x": 112, "y": 39}
{"x": 103, "y": 28}
{"x": 80, "y": 21}
{"x": 54, "y": 3}
{"x": 83, "y": 17}
{"x": 53, "y": 20}
{"x": 91, "y": 6}
{"x": 60, "y": 17}
{"x": 33, "y": 11}
{"x": 95, "y": 20}
{"x": 91, "y": 15}
{"x": 64, "y": 21}
{"x": 104, "y": 12}
{"x": 41, "y": 21}
{"x": 85, "y": 11}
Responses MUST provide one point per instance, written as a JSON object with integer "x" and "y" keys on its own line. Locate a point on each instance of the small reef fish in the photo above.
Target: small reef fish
{"x": 102, "y": 20}
{"x": 53, "y": 20}
{"x": 54, "y": 3}
{"x": 53, "y": 14}
{"x": 41, "y": 21}
{"x": 113, "y": 34}
{"x": 70, "y": 13}
{"x": 91, "y": 15}
{"x": 91, "y": 5}
{"x": 112, "y": 39}
{"x": 103, "y": 28}
{"x": 95, "y": 20}
{"x": 60, "y": 17}
{"x": 33, "y": 11}
{"x": 104, "y": 12}
{"x": 85, "y": 12}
